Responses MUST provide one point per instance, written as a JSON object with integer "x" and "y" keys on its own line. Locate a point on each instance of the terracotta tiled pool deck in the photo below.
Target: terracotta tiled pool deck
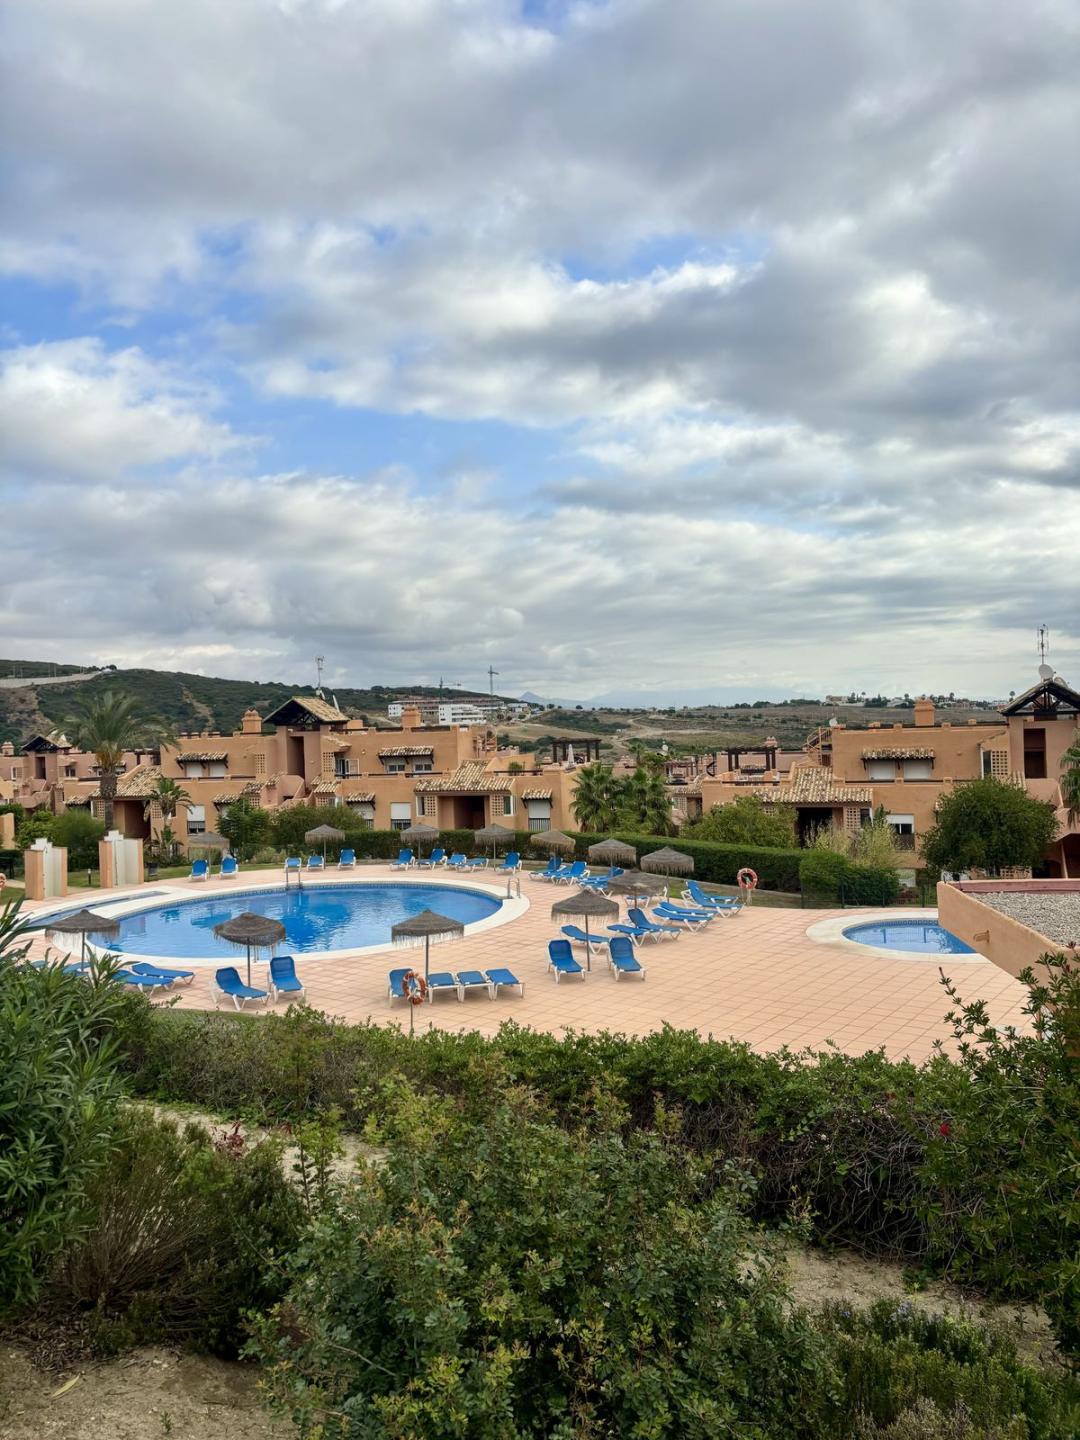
{"x": 756, "y": 977}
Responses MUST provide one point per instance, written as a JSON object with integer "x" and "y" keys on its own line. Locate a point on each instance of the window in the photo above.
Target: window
{"x": 903, "y": 828}
{"x": 260, "y": 763}
{"x": 395, "y": 767}
{"x": 193, "y": 770}
{"x": 196, "y": 819}
{"x": 1035, "y": 754}
{"x": 425, "y": 805}
{"x": 995, "y": 762}
{"x": 538, "y": 823}
{"x": 400, "y": 815}
{"x": 917, "y": 769}
{"x": 69, "y": 772}
{"x": 539, "y": 815}
{"x": 218, "y": 770}
{"x": 364, "y": 810}
{"x": 881, "y": 769}
{"x": 422, "y": 767}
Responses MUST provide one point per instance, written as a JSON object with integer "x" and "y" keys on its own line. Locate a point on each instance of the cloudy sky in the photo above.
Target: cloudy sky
{"x": 705, "y": 347}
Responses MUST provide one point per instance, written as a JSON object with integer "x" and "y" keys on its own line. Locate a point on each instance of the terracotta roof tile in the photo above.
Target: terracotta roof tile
{"x": 201, "y": 756}
{"x": 470, "y": 779}
{"x": 398, "y": 750}
{"x": 910, "y": 752}
{"x": 536, "y": 794}
{"x": 813, "y": 785}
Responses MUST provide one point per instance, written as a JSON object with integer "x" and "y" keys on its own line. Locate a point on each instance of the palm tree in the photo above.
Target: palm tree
{"x": 168, "y": 796}
{"x": 108, "y": 727}
{"x": 596, "y": 798}
{"x": 1070, "y": 780}
{"x": 645, "y": 803}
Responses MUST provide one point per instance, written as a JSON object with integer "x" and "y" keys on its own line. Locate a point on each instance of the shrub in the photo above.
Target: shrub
{"x": 747, "y": 822}
{"x": 516, "y": 1277}
{"x": 80, "y": 832}
{"x": 246, "y": 827}
{"x": 854, "y": 1144}
{"x": 59, "y": 1088}
{"x": 828, "y": 878}
{"x": 185, "y": 1239}
{"x": 988, "y": 824}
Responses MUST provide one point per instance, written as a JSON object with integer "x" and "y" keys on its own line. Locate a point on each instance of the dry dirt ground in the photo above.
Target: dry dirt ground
{"x": 146, "y": 1395}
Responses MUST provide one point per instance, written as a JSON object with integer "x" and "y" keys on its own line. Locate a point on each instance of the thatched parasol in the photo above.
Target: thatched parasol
{"x": 495, "y": 836}
{"x": 83, "y": 922}
{"x": 322, "y": 834}
{"x": 420, "y": 834}
{"x": 252, "y": 931}
{"x": 209, "y": 839}
{"x": 586, "y": 904}
{"x": 613, "y": 852}
{"x": 426, "y": 926}
{"x": 668, "y": 862}
{"x": 635, "y": 882}
{"x": 553, "y": 840}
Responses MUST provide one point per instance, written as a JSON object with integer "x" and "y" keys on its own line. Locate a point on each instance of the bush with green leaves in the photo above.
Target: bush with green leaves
{"x": 499, "y": 1274}
{"x": 853, "y": 1143}
{"x": 829, "y": 878}
{"x": 59, "y": 1089}
{"x": 187, "y": 1236}
{"x": 79, "y": 832}
{"x": 246, "y": 827}
{"x": 746, "y": 821}
{"x": 989, "y": 824}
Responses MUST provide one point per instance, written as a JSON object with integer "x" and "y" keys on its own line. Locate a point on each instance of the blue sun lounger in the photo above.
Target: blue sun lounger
{"x": 315, "y": 862}
{"x": 292, "y": 862}
{"x": 636, "y": 933}
{"x": 511, "y": 862}
{"x": 692, "y": 919}
{"x": 724, "y": 904}
{"x": 638, "y": 917}
{"x": 347, "y": 860}
{"x": 549, "y": 872}
{"x": 577, "y": 936}
{"x": 437, "y": 857}
{"x": 141, "y": 982}
{"x": 622, "y": 958}
{"x": 440, "y": 983}
{"x": 403, "y": 861}
{"x": 571, "y": 873}
{"x": 480, "y": 862}
{"x": 500, "y": 977}
{"x": 228, "y": 986}
{"x": 143, "y": 967}
{"x": 229, "y": 868}
{"x": 200, "y": 870}
{"x": 561, "y": 960}
{"x": 474, "y": 980}
{"x": 283, "y": 977}
{"x": 394, "y": 988}
{"x": 457, "y": 861}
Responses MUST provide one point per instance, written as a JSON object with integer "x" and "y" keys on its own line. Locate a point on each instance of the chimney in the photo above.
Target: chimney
{"x": 410, "y": 717}
{"x": 924, "y": 711}
{"x": 251, "y": 724}
{"x": 7, "y": 748}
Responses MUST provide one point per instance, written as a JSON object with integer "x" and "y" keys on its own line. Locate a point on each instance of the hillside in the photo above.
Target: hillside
{"x": 183, "y": 701}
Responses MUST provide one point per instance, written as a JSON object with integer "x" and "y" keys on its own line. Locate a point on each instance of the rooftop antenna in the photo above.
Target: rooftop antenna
{"x": 1046, "y": 672}
{"x": 320, "y": 660}
{"x": 491, "y": 681}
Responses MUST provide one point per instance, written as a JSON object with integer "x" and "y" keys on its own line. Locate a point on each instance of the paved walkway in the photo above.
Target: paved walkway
{"x": 755, "y": 977}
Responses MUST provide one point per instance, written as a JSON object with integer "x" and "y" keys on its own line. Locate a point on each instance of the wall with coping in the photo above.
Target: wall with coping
{"x": 1011, "y": 945}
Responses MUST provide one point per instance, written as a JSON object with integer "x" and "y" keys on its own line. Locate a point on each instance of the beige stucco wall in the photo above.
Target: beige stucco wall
{"x": 1011, "y": 945}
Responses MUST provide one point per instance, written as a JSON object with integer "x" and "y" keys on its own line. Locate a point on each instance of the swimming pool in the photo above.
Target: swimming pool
{"x": 925, "y": 937}
{"x": 317, "y": 919}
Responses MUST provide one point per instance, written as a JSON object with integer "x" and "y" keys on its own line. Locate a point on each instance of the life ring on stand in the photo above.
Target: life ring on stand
{"x": 746, "y": 879}
{"x": 3, "y": 880}
{"x": 414, "y": 987}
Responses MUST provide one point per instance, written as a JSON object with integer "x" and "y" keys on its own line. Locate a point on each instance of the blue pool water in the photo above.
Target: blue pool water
{"x": 925, "y": 936}
{"x": 327, "y": 917}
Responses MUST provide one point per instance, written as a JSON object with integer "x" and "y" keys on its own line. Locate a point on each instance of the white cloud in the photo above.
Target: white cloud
{"x": 70, "y": 409}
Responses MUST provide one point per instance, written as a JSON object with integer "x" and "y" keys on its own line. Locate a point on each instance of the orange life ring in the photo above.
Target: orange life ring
{"x": 3, "y": 880}
{"x": 746, "y": 879}
{"x": 415, "y": 987}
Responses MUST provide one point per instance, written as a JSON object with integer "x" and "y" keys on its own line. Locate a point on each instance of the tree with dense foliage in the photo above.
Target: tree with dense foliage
{"x": 746, "y": 821}
{"x": 169, "y": 796}
{"x": 79, "y": 833}
{"x": 107, "y": 727}
{"x": 1070, "y": 780}
{"x": 59, "y": 1090}
{"x": 246, "y": 827}
{"x": 596, "y": 799}
{"x": 989, "y": 824}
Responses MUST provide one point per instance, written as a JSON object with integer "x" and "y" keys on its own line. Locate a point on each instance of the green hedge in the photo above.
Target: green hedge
{"x": 964, "y": 1167}
{"x": 826, "y": 878}
{"x": 719, "y": 864}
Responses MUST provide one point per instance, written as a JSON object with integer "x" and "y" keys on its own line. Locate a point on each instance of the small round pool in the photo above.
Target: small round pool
{"x": 925, "y": 937}
{"x": 317, "y": 919}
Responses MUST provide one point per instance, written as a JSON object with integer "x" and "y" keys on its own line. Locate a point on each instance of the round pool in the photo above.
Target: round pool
{"x": 924, "y": 937}
{"x": 317, "y": 919}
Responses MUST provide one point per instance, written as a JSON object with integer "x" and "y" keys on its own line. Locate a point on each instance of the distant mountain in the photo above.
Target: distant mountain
{"x": 183, "y": 701}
